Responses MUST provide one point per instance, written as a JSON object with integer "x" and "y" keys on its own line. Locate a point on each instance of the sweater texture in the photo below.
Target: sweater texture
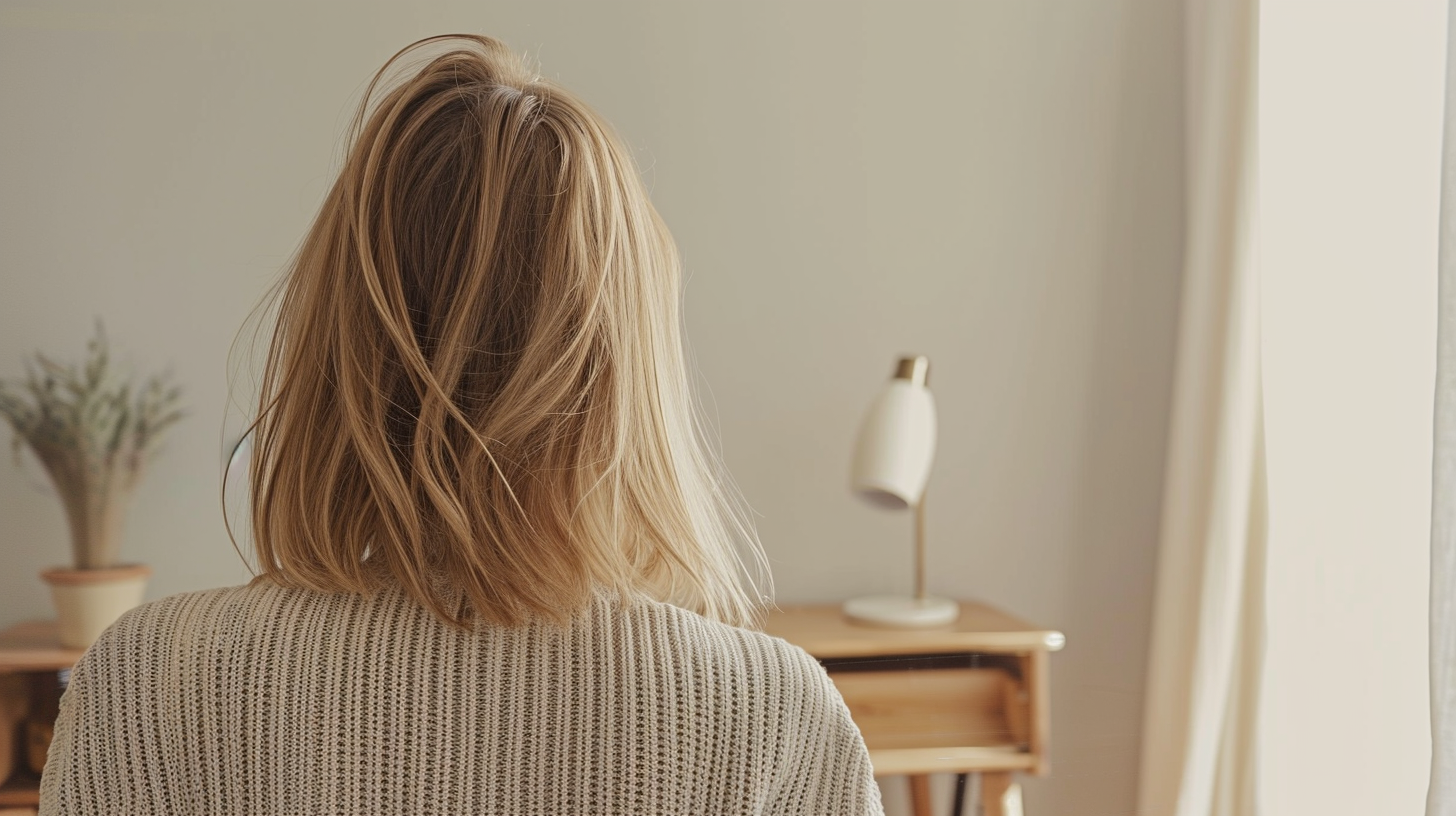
{"x": 265, "y": 700}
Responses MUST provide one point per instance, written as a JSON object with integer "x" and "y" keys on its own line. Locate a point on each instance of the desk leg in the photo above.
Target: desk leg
{"x": 920, "y": 794}
{"x": 1000, "y": 795}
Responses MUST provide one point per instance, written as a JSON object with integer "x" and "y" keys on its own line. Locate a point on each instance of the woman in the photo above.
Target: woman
{"x": 497, "y": 574}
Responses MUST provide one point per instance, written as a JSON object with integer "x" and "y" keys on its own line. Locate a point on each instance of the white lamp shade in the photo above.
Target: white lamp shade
{"x": 896, "y": 446}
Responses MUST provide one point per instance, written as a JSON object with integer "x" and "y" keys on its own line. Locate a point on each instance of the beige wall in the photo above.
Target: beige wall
{"x": 995, "y": 184}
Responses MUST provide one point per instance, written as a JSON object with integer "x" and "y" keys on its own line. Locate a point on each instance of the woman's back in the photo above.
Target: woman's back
{"x": 264, "y": 700}
{"x": 475, "y": 427}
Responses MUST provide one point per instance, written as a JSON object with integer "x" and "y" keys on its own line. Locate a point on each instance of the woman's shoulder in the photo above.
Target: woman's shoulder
{"x": 181, "y": 608}
{"x": 756, "y": 656}
{"x": 183, "y": 622}
{"x": 197, "y": 607}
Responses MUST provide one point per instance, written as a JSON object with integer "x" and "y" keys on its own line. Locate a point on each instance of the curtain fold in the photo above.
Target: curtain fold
{"x": 1199, "y": 732}
{"x": 1441, "y": 795}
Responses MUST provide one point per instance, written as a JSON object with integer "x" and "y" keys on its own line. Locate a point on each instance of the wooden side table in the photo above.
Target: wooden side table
{"x": 31, "y": 659}
{"x": 969, "y": 697}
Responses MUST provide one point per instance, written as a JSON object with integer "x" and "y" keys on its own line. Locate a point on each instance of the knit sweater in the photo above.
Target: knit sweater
{"x": 265, "y": 700}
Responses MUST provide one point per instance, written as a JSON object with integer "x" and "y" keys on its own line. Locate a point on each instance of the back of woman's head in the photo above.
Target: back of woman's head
{"x": 476, "y": 387}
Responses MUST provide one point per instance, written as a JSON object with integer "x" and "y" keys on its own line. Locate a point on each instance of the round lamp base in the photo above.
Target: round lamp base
{"x": 901, "y": 611}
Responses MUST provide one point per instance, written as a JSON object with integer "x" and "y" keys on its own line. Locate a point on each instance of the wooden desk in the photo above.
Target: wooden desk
{"x": 30, "y": 658}
{"x": 969, "y": 697}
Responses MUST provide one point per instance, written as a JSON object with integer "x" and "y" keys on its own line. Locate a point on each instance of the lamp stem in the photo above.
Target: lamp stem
{"x": 920, "y": 549}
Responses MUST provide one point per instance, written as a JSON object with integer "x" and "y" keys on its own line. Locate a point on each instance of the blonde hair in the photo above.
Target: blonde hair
{"x": 476, "y": 386}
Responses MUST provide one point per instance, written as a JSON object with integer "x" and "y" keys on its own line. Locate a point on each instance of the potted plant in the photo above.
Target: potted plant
{"x": 93, "y": 430}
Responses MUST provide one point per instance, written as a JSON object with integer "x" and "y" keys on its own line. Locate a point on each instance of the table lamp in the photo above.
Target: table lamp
{"x": 890, "y": 468}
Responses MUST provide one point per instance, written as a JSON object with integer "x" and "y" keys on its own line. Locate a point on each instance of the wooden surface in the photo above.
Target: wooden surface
{"x": 1035, "y": 669}
{"x": 972, "y": 696}
{"x": 27, "y": 649}
{"x": 930, "y": 709}
{"x": 32, "y": 646}
{"x": 20, "y": 790}
{"x": 1000, "y": 795}
{"x": 912, "y": 761}
{"x": 920, "y": 795}
{"x": 15, "y": 705}
{"x": 823, "y": 632}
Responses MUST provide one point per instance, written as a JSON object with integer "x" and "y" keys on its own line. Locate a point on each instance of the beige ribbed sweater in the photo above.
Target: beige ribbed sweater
{"x": 262, "y": 700}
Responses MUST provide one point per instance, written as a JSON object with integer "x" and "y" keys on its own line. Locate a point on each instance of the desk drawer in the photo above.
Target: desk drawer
{"x": 972, "y": 696}
{"x": 938, "y": 708}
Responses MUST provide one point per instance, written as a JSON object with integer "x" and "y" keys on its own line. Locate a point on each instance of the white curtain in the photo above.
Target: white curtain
{"x": 1441, "y": 798}
{"x": 1204, "y": 668}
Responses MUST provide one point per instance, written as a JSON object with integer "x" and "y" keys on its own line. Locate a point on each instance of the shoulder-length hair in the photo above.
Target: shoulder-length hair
{"x": 476, "y": 387}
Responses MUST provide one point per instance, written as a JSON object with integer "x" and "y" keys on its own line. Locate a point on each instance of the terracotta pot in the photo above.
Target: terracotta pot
{"x": 88, "y": 601}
